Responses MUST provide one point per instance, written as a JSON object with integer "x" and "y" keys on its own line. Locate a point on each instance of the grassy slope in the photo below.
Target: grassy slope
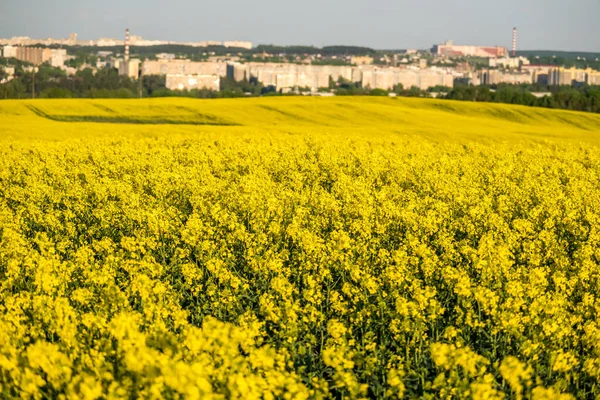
{"x": 432, "y": 119}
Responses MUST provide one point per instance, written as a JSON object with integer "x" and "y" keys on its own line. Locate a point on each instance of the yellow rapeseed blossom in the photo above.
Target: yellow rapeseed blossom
{"x": 298, "y": 248}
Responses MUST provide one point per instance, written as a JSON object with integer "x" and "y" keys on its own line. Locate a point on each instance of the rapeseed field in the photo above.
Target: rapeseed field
{"x": 298, "y": 248}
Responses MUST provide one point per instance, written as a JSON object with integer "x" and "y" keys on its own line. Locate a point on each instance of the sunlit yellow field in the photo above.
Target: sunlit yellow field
{"x": 352, "y": 117}
{"x": 298, "y": 248}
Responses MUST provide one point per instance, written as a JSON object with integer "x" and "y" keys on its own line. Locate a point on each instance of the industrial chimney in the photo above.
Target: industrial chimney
{"x": 127, "y": 45}
{"x": 514, "y": 43}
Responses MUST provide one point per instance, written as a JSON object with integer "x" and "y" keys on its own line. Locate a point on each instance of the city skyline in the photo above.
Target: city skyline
{"x": 543, "y": 25}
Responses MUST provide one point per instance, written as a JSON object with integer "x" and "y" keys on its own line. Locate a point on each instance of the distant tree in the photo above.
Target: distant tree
{"x": 152, "y": 83}
{"x": 268, "y": 90}
{"x": 56, "y": 93}
{"x": 233, "y": 88}
{"x": 124, "y": 93}
{"x": 439, "y": 89}
{"x": 18, "y": 89}
{"x": 483, "y": 94}
{"x": 416, "y": 92}
{"x": 379, "y": 92}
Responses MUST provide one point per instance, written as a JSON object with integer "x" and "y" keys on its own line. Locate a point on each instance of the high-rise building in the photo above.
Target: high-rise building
{"x": 34, "y": 55}
{"x": 183, "y": 67}
{"x": 57, "y": 57}
{"x": 494, "y": 77}
{"x": 9, "y": 52}
{"x": 130, "y": 68}
{"x": 592, "y": 77}
{"x": 568, "y": 76}
{"x": 289, "y": 76}
{"x": 38, "y": 56}
{"x": 189, "y": 82}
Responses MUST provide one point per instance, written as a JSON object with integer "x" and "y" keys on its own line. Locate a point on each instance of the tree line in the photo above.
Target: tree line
{"x": 577, "y": 98}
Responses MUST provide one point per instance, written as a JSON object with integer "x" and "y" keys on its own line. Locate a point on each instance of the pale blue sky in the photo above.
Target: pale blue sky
{"x": 397, "y": 24}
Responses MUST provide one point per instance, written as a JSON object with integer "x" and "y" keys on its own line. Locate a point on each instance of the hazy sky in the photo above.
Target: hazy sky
{"x": 382, "y": 24}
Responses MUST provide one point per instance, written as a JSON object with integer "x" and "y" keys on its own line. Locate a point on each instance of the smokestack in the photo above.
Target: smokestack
{"x": 127, "y": 45}
{"x": 514, "y": 44}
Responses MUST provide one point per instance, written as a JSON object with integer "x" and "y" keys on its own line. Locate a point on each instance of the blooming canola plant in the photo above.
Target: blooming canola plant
{"x": 298, "y": 248}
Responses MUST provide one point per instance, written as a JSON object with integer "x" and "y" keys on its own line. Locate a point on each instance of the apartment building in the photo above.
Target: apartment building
{"x": 9, "y": 52}
{"x": 193, "y": 81}
{"x": 593, "y": 77}
{"x": 283, "y": 75}
{"x": 494, "y": 77}
{"x": 130, "y": 68}
{"x": 388, "y": 78}
{"x": 539, "y": 72}
{"x": 286, "y": 76}
{"x": 508, "y": 62}
{"x": 568, "y": 76}
{"x": 37, "y": 56}
{"x": 183, "y": 67}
